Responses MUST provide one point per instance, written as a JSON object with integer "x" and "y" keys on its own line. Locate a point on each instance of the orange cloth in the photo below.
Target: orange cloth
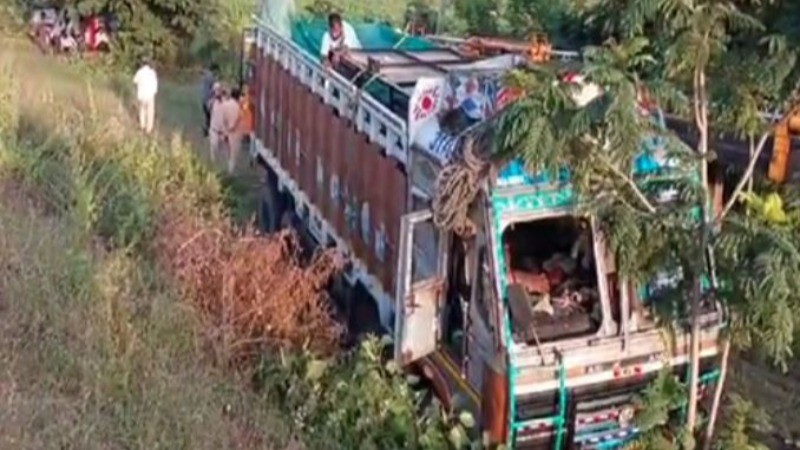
{"x": 246, "y": 123}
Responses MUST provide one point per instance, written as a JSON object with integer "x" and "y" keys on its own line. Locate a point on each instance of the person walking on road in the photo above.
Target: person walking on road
{"x": 146, "y": 81}
{"x": 207, "y": 93}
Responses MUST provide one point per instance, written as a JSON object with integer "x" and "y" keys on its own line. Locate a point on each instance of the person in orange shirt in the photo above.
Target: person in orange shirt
{"x": 245, "y": 129}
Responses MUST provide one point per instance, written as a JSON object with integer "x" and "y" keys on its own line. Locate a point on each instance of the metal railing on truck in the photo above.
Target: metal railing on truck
{"x": 370, "y": 117}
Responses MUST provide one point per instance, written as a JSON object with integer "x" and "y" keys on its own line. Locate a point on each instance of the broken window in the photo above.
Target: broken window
{"x": 552, "y": 279}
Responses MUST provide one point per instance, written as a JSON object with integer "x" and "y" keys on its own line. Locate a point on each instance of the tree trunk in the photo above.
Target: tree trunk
{"x": 701, "y": 119}
{"x": 723, "y": 371}
{"x": 694, "y": 354}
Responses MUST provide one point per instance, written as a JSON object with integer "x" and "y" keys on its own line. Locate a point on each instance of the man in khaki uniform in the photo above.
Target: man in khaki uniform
{"x": 224, "y": 127}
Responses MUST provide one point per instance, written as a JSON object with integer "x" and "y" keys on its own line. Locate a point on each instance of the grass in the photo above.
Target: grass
{"x": 95, "y": 357}
{"x": 98, "y": 350}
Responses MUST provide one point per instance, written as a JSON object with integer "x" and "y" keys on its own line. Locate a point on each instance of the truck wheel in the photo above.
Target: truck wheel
{"x": 287, "y": 220}
{"x": 268, "y": 212}
{"x": 342, "y": 296}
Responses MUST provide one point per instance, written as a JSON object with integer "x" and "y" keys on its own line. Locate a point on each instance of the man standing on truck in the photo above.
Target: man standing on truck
{"x": 146, "y": 82}
{"x": 339, "y": 38}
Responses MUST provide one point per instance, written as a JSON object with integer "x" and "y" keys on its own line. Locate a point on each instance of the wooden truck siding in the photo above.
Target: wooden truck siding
{"x": 360, "y": 192}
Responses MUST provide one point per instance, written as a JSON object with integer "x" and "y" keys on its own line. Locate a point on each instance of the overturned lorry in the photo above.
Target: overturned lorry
{"x": 525, "y": 323}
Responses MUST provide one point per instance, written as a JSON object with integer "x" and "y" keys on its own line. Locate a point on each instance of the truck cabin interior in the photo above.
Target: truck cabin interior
{"x": 553, "y": 291}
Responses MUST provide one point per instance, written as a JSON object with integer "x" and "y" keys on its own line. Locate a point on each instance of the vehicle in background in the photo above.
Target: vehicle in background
{"x": 526, "y": 323}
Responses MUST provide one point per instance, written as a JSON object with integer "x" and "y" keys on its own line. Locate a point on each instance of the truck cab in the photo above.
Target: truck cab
{"x": 525, "y": 322}
{"x": 531, "y": 320}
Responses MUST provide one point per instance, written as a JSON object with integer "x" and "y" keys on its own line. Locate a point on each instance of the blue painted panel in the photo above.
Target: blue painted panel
{"x": 514, "y": 173}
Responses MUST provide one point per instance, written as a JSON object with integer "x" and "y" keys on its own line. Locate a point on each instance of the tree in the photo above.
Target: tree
{"x": 694, "y": 41}
{"x": 154, "y": 28}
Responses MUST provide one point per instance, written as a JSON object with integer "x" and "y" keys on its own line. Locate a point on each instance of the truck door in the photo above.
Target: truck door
{"x": 421, "y": 285}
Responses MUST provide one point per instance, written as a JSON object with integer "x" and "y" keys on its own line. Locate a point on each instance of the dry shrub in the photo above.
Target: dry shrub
{"x": 252, "y": 289}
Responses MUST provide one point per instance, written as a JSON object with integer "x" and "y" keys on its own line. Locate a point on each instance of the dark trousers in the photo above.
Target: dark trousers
{"x": 207, "y": 123}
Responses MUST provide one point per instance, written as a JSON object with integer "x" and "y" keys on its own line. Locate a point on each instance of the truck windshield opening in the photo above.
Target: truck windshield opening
{"x": 552, "y": 279}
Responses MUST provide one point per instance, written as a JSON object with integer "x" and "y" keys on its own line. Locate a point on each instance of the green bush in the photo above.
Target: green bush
{"x": 359, "y": 401}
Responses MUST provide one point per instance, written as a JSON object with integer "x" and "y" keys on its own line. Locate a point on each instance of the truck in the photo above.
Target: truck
{"x": 350, "y": 157}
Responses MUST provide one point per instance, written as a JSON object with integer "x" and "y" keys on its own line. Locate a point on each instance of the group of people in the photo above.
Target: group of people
{"x": 65, "y": 31}
{"x": 228, "y": 117}
{"x": 227, "y": 112}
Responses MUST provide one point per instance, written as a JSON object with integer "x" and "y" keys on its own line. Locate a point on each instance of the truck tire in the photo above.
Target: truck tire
{"x": 287, "y": 220}
{"x": 269, "y": 213}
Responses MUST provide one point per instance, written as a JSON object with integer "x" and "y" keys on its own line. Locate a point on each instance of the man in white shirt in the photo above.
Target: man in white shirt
{"x": 339, "y": 38}
{"x": 146, "y": 82}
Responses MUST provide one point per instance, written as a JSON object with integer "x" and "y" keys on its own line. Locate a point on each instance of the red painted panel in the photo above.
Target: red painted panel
{"x": 331, "y": 185}
{"x": 370, "y": 177}
{"x": 307, "y": 165}
{"x": 332, "y": 138}
{"x": 310, "y": 146}
{"x": 317, "y": 130}
{"x": 292, "y": 131}
{"x": 255, "y": 93}
{"x": 259, "y": 96}
{"x": 381, "y": 198}
{"x": 396, "y": 207}
{"x": 272, "y": 103}
{"x": 282, "y": 117}
{"x": 266, "y": 80}
{"x": 354, "y": 171}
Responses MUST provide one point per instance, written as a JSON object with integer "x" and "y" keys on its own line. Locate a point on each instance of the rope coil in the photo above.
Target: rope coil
{"x": 456, "y": 188}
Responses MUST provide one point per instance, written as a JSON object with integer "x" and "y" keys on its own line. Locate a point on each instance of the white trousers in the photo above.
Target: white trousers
{"x": 147, "y": 114}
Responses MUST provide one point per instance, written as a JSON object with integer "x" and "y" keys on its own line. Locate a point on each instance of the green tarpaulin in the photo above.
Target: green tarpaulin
{"x": 308, "y": 35}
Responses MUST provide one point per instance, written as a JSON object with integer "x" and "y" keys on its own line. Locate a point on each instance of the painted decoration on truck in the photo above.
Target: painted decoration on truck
{"x": 366, "y": 225}
{"x": 477, "y": 96}
{"x": 426, "y": 101}
{"x": 335, "y": 190}
{"x": 380, "y": 243}
{"x": 360, "y": 193}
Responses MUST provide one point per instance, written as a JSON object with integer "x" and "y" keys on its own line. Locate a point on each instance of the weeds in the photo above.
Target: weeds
{"x": 251, "y": 287}
{"x": 96, "y": 355}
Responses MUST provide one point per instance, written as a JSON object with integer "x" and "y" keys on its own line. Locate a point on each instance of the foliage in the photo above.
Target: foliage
{"x": 599, "y": 144}
{"x": 744, "y": 419}
{"x": 691, "y": 47}
{"x": 656, "y": 408}
{"x": 153, "y": 28}
{"x": 221, "y": 43}
{"x": 759, "y": 258}
{"x": 358, "y": 401}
